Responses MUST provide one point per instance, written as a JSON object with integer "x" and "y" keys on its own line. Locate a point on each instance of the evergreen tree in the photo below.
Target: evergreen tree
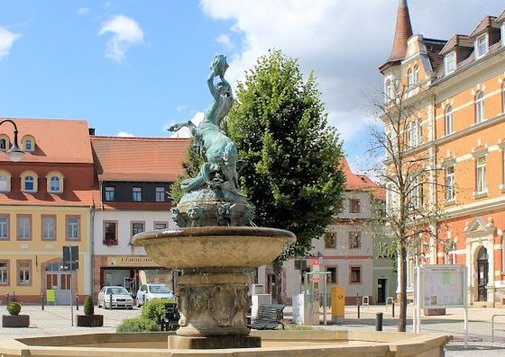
{"x": 292, "y": 174}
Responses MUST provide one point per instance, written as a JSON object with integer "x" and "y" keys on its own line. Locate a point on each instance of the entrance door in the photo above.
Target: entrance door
{"x": 482, "y": 274}
{"x": 381, "y": 291}
{"x": 59, "y": 281}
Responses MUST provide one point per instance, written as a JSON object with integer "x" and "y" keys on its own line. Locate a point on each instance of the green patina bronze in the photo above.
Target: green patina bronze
{"x": 213, "y": 196}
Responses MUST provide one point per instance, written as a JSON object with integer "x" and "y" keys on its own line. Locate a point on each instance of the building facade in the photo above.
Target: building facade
{"x": 457, "y": 86}
{"x": 349, "y": 251}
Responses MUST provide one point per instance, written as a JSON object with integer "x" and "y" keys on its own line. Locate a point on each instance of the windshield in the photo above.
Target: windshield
{"x": 160, "y": 289}
{"x": 118, "y": 291}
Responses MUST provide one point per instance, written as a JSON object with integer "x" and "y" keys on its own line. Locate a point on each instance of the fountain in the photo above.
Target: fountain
{"x": 215, "y": 247}
{"x": 216, "y": 243}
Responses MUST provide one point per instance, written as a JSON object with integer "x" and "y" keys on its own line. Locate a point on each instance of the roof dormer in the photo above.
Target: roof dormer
{"x": 456, "y": 50}
{"x": 486, "y": 34}
{"x": 28, "y": 143}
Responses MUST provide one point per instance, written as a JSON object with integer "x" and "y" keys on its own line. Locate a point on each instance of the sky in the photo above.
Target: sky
{"x": 133, "y": 67}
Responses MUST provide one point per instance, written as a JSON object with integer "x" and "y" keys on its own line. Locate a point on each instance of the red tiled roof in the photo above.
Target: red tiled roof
{"x": 70, "y": 198}
{"x": 139, "y": 159}
{"x": 501, "y": 17}
{"x": 56, "y": 140}
{"x": 457, "y": 41}
{"x": 356, "y": 182}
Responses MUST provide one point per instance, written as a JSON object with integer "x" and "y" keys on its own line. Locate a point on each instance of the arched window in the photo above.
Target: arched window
{"x": 5, "y": 181}
{"x": 29, "y": 184}
{"x": 55, "y": 184}
{"x": 29, "y": 181}
{"x": 28, "y": 143}
{"x": 410, "y": 77}
{"x": 3, "y": 144}
{"x": 389, "y": 90}
{"x": 415, "y": 75}
{"x": 54, "y": 181}
{"x": 448, "y": 120}
{"x": 479, "y": 107}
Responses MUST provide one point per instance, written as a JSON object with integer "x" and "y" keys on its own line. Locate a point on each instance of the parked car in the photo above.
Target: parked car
{"x": 120, "y": 297}
{"x": 147, "y": 292}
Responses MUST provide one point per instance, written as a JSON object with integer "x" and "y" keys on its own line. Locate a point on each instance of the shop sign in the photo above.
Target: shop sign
{"x": 130, "y": 261}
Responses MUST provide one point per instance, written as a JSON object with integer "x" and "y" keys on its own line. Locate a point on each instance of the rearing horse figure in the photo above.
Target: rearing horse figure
{"x": 218, "y": 151}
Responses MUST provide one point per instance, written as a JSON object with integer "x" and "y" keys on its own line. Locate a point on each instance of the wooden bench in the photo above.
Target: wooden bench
{"x": 268, "y": 317}
{"x": 170, "y": 322}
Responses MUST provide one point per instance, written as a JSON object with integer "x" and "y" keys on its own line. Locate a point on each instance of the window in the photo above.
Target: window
{"x": 332, "y": 278}
{"x": 160, "y": 225}
{"x": 503, "y": 98}
{"x": 28, "y": 144}
{"x": 110, "y": 193}
{"x": 449, "y": 183}
{"x": 354, "y": 240}
{"x": 448, "y": 120}
{"x": 479, "y": 107}
{"x": 389, "y": 90}
{"x": 481, "y": 46}
{"x": 4, "y": 272}
{"x": 3, "y": 144}
{"x": 481, "y": 174}
{"x": 24, "y": 272}
{"x": 24, "y": 227}
{"x": 330, "y": 240}
{"x": 416, "y": 191}
{"x": 54, "y": 184}
{"x": 355, "y": 275}
{"x": 503, "y": 34}
{"x": 110, "y": 236}
{"x": 48, "y": 227}
{"x": 354, "y": 205}
{"x": 137, "y": 227}
{"x": 413, "y": 76}
{"x": 29, "y": 185}
{"x": 137, "y": 194}
{"x": 450, "y": 62}
{"x": 73, "y": 229}
{"x": 5, "y": 183}
{"x": 160, "y": 194}
{"x": 4, "y": 227}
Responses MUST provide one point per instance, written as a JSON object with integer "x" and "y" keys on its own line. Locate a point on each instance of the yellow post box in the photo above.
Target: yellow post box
{"x": 337, "y": 304}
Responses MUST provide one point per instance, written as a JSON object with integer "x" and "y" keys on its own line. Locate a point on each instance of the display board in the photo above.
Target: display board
{"x": 442, "y": 286}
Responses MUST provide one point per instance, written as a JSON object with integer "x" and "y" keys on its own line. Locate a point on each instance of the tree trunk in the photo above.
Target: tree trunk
{"x": 402, "y": 298}
{"x": 277, "y": 293}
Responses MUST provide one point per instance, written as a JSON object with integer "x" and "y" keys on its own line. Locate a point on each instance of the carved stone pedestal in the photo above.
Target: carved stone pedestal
{"x": 213, "y": 302}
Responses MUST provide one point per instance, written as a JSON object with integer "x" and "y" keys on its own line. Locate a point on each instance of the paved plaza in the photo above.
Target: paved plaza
{"x": 56, "y": 320}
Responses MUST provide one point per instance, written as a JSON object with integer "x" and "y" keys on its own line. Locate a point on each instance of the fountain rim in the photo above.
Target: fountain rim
{"x": 213, "y": 231}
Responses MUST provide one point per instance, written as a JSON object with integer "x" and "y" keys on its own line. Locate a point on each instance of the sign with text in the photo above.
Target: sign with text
{"x": 442, "y": 286}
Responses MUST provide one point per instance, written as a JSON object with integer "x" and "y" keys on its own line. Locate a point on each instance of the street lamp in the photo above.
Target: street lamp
{"x": 15, "y": 154}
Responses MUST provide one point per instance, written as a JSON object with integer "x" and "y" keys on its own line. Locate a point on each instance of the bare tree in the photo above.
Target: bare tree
{"x": 409, "y": 174}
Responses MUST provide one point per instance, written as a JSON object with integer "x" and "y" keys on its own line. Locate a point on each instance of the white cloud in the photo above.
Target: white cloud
{"x": 83, "y": 11}
{"x": 125, "y": 33}
{"x": 343, "y": 42}
{"x": 125, "y": 134}
{"x": 225, "y": 41}
{"x": 7, "y": 39}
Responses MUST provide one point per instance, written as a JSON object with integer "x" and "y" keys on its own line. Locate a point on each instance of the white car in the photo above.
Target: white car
{"x": 153, "y": 291}
{"x": 120, "y": 297}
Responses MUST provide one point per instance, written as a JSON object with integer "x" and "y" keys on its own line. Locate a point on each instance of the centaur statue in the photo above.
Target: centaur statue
{"x": 217, "y": 150}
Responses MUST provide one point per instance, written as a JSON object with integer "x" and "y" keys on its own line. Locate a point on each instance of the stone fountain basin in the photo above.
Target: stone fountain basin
{"x": 342, "y": 343}
{"x": 211, "y": 247}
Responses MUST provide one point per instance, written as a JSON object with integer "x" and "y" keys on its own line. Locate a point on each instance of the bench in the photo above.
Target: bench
{"x": 268, "y": 317}
{"x": 170, "y": 322}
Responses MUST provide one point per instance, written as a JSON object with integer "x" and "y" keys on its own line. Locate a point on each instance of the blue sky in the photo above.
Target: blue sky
{"x": 133, "y": 67}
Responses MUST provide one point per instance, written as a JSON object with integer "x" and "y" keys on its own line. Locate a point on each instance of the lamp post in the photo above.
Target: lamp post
{"x": 15, "y": 154}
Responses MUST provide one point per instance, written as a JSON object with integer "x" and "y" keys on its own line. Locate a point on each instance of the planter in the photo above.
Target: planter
{"x": 90, "y": 320}
{"x": 15, "y": 320}
{"x": 434, "y": 312}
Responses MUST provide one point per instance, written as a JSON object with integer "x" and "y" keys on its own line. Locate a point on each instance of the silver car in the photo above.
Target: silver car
{"x": 151, "y": 291}
{"x": 120, "y": 297}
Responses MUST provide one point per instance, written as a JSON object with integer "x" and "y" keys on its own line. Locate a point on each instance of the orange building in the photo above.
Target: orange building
{"x": 46, "y": 203}
{"x": 458, "y": 86}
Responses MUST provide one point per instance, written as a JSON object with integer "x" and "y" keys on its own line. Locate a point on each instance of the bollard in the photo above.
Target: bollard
{"x": 378, "y": 321}
{"x": 77, "y": 302}
{"x": 393, "y": 308}
{"x": 6, "y": 298}
{"x": 358, "y": 311}
{"x": 42, "y": 301}
{"x": 110, "y": 301}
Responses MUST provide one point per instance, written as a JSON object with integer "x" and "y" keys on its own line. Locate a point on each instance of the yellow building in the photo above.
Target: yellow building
{"x": 46, "y": 203}
{"x": 458, "y": 88}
